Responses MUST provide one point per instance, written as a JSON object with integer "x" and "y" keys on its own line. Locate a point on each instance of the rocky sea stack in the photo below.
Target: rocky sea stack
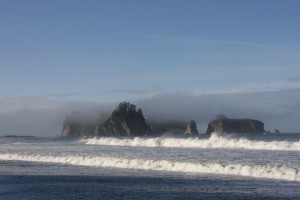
{"x": 226, "y": 125}
{"x": 76, "y": 125}
{"x": 191, "y": 128}
{"x": 128, "y": 121}
{"x": 125, "y": 120}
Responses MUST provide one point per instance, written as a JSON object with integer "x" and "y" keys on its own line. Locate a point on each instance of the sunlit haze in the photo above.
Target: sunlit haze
{"x": 176, "y": 59}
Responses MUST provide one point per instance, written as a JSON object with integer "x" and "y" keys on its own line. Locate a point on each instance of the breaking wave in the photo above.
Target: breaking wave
{"x": 215, "y": 141}
{"x": 258, "y": 171}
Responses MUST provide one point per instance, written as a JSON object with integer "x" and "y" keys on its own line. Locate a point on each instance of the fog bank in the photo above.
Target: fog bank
{"x": 277, "y": 109}
{"x": 43, "y": 117}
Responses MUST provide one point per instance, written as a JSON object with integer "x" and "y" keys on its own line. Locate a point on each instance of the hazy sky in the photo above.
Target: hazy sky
{"x": 105, "y": 51}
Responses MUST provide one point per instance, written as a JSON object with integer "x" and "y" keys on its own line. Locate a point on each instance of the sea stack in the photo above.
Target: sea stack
{"x": 75, "y": 125}
{"x": 226, "y": 125}
{"x": 191, "y": 128}
{"x": 125, "y": 120}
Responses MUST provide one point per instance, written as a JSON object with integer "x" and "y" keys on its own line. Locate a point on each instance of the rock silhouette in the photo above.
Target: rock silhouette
{"x": 191, "y": 128}
{"x": 125, "y": 120}
{"x": 226, "y": 125}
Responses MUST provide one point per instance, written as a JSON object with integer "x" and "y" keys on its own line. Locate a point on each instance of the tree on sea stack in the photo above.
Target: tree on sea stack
{"x": 125, "y": 120}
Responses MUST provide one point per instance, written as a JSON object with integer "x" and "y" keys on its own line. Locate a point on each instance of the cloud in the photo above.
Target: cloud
{"x": 277, "y": 109}
{"x": 16, "y": 103}
{"x": 67, "y": 94}
{"x": 154, "y": 89}
{"x": 43, "y": 117}
{"x": 40, "y": 116}
{"x": 294, "y": 80}
{"x": 220, "y": 42}
{"x": 251, "y": 87}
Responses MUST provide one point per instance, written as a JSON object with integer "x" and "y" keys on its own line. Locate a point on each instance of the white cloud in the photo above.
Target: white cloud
{"x": 250, "y": 87}
{"x": 152, "y": 90}
{"x": 220, "y": 42}
{"x": 17, "y": 103}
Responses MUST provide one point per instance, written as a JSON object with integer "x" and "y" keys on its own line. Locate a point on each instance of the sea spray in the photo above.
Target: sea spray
{"x": 215, "y": 141}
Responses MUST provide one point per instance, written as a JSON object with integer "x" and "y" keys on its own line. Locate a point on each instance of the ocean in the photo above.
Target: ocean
{"x": 205, "y": 167}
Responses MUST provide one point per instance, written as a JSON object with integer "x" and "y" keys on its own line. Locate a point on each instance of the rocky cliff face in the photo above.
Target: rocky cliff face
{"x": 191, "y": 128}
{"x": 125, "y": 120}
{"x": 225, "y": 125}
{"x": 75, "y": 125}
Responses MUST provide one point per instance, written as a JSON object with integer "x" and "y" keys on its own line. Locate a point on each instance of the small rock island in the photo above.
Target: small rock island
{"x": 226, "y": 125}
{"x": 128, "y": 121}
{"x": 191, "y": 128}
{"x": 125, "y": 120}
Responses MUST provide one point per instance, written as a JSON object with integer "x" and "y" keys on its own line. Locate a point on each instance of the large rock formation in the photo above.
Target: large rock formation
{"x": 191, "y": 128}
{"x": 76, "y": 125}
{"x": 125, "y": 120}
{"x": 225, "y": 125}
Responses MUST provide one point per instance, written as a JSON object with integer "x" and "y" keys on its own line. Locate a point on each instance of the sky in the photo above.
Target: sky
{"x": 59, "y": 55}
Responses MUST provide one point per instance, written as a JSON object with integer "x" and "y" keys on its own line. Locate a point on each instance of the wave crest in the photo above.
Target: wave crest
{"x": 258, "y": 171}
{"x": 215, "y": 141}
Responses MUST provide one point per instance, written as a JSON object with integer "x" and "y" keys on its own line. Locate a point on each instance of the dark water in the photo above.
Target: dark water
{"x": 120, "y": 187}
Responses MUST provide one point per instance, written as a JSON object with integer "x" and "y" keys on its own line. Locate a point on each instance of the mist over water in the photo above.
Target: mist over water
{"x": 277, "y": 109}
{"x": 42, "y": 117}
{"x": 45, "y": 120}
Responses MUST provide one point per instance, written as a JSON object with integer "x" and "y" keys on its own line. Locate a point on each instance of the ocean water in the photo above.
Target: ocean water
{"x": 205, "y": 167}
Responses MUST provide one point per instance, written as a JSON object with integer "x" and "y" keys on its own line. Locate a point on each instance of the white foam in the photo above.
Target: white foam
{"x": 259, "y": 171}
{"x": 214, "y": 141}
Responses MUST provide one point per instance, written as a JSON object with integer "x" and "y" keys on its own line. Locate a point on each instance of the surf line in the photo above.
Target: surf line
{"x": 212, "y": 142}
{"x": 257, "y": 171}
